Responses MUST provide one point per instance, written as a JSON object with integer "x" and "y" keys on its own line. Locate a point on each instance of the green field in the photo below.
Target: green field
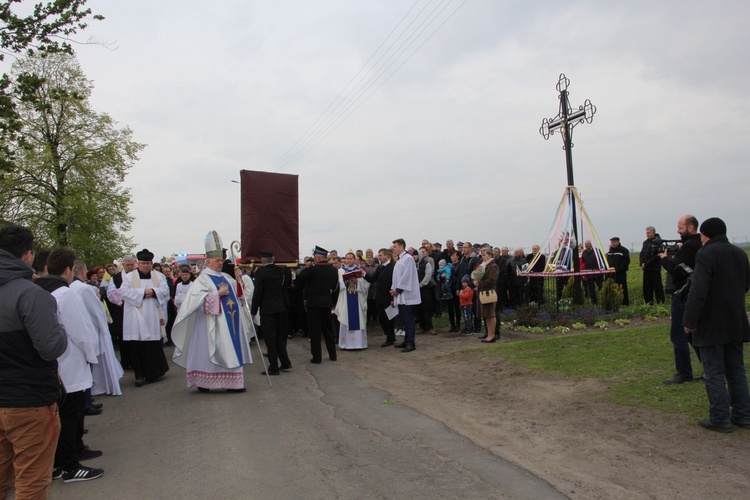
{"x": 632, "y": 362}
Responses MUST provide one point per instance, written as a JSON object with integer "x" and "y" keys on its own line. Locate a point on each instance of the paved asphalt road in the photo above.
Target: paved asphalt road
{"x": 319, "y": 432}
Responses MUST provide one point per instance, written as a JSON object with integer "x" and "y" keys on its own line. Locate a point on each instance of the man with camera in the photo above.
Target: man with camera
{"x": 680, "y": 267}
{"x": 715, "y": 315}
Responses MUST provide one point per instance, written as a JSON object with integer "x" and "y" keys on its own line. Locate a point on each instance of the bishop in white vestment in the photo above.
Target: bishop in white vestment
{"x": 211, "y": 332}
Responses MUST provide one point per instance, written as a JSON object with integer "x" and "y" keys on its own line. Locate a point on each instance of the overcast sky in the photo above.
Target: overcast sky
{"x": 449, "y": 145}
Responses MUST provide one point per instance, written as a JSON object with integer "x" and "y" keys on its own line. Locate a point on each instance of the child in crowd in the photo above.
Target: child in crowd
{"x": 181, "y": 289}
{"x": 444, "y": 278}
{"x": 465, "y": 300}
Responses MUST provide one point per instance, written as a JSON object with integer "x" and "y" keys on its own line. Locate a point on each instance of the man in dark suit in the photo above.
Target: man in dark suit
{"x": 270, "y": 295}
{"x": 383, "y": 276}
{"x": 319, "y": 283}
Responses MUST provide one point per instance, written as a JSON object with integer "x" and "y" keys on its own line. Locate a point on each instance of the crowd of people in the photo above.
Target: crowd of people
{"x": 58, "y": 319}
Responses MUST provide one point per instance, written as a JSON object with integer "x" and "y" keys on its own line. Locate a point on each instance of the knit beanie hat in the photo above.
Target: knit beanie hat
{"x": 713, "y": 227}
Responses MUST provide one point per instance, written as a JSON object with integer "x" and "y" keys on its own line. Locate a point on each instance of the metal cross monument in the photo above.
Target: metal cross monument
{"x": 565, "y": 120}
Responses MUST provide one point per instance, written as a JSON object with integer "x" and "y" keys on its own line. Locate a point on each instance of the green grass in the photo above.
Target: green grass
{"x": 632, "y": 362}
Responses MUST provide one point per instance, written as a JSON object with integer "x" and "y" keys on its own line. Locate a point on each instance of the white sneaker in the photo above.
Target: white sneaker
{"x": 400, "y": 333}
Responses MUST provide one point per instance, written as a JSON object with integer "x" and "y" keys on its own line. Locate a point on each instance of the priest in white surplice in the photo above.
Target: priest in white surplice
{"x": 144, "y": 294}
{"x": 107, "y": 372}
{"x": 212, "y": 332}
{"x": 351, "y": 307}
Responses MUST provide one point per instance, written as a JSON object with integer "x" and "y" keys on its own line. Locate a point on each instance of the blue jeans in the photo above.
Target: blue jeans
{"x": 468, "y": 320}
{"x": 407, "y": 315}
{"x": 680, "y": 340}
{"x": 720, "y": 363}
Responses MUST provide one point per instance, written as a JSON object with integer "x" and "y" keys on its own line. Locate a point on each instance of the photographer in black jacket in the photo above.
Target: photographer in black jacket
{"x": 687, "y": 228}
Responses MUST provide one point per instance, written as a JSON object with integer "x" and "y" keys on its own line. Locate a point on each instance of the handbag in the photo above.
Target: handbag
{"x": 488, "y": 296}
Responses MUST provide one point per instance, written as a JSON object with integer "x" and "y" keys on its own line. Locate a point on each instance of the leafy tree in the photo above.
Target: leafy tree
{"x": 66, "y": 180}
{"x": 45, "y": 29}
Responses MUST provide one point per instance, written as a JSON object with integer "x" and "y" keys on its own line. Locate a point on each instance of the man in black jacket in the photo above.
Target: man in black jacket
{"x": 715, "y": 315}
{"x": 270, "y": 295}
{"x": 649, "y": 260}
{"x": 619, "y": 259}
{"x": 319, "y": 283}
{"x": 383, "y": 277}
{"x": 31, "y": 340}
{"x": 679, "y": 269}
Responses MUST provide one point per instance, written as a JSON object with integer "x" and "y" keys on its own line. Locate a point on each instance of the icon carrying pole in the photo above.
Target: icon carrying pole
{"x": 236, "y": 246}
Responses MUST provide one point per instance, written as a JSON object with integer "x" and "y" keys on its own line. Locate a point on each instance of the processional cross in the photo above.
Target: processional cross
{"x": 564, "y": 122}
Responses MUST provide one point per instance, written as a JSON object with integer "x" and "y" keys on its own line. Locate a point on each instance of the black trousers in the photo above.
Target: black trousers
{"x": 372, "y": 310}
{"x": 622, "y": 279}
{"x": 319, "y": 322}
{"x": 652, "y": 285}
{"x": 454, "y": 310}
{"x": 425, "y": 314}
{"x": 274, "y": 326}
{"x": 70, "y": 442}
{"x": 388, "y": 325}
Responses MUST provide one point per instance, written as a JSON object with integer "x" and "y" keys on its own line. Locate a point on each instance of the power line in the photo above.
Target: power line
{"x": 340, "y": 108}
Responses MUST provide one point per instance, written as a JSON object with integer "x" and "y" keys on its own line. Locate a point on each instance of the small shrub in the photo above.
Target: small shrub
{"x": 562, "y": 321}
{"x": 561, "y": 329}
{"x": 526, "y": 317}
{"x": 538, "y": 329}
{"x": 602, "y": 325}
{"x": 587, "y": 319}
{"x": 622, "y": 321}
{"x": 568, "y": 291}
{"x": 578, "y": 326}
{"x": 565, "y": 305}
{"x": 611, "y": 295}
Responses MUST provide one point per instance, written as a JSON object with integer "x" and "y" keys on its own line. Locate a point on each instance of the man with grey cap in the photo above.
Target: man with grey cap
{"x": 715, "y": 315}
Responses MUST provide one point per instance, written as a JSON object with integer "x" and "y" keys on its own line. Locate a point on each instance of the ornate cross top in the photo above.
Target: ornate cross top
{"x": 565, "y": 120}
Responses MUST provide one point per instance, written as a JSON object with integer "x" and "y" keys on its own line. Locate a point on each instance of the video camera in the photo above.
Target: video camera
{"x": 670, "y": 246}
{"x": 686, "y": 272}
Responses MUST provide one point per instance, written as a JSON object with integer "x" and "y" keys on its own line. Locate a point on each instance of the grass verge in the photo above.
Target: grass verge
{"x": 632, "y": 362}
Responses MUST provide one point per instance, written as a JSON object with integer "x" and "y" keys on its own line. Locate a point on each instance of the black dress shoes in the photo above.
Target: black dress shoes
{"x": 97, "y": 406}
{"x": 313, "y": 360}
{"x": 678, "y": 379}
{"x": 489, "y": 341}
{"x": 400, "y": 346}
{"x": 287, "y": 367}
{"x": 87, "y": 453}
{"x": 409, "y": 348}
{"x": 387, "y": 343}
{"x": 706, "y": 423}
{"x": 270, "y": 372}
{"x": 92, "y": 411}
